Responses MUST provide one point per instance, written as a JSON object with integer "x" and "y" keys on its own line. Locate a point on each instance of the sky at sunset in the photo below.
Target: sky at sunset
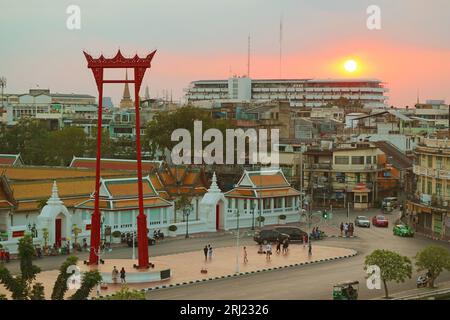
{"x": 207, "y": 39}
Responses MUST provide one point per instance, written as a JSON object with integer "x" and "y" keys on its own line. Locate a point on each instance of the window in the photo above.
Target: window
{"x": 368, "y": 160}
{"x": 430, "y": 161}
{"x": 278, "y": 202}
{"x": 438, "y": 189}
{"x": 358, "y": 177}
{"x": 357, "y": 160}
{"x": 341, "y": 160}
{"x": 288, "y": 201}
{"x": 429, "y": 187}
{"x": 266, "y": 203}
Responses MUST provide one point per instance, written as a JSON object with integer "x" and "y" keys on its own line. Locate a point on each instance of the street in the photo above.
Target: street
{"x": 305, "y": 282}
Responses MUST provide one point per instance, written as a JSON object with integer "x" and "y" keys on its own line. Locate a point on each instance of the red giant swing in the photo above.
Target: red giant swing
{"x": 139, "y": 65}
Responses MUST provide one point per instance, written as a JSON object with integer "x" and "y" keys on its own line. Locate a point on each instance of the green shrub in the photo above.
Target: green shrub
{"x": 116, "y": 234}
{"x": 173, "y": 228}
{"x": 260, "y": 219}
{"x": 282, "y": 217}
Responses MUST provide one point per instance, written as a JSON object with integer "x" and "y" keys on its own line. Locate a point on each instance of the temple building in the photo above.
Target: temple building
{"x": 126, "y": 101}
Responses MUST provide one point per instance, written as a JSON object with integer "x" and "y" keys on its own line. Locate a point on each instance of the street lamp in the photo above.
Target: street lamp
{"x": 186, "y": 213}
{"x": 253, "y": 218}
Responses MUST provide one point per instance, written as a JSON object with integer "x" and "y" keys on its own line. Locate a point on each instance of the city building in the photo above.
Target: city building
{"x": 342, "y": 174}
{"x": 299, "y": 92}
{"x": 126, "y": 101}
{"x": 429, "y": 206}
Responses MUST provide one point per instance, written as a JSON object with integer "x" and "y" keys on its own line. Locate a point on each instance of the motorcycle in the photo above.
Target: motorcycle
{"x": 422, "y": 281}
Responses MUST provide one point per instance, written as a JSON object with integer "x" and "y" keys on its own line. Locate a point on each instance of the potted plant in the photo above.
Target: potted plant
{"x": 173, "y": 230}
{"x": 116, "y": 237}
{"x": 282, "y": 219}
{"x": 260, "y": 220}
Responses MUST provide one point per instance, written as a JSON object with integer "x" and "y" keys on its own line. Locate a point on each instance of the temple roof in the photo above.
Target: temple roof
{"x": 114, "y": 164}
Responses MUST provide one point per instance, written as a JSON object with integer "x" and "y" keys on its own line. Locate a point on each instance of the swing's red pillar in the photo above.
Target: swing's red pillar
{"x": 140, "y": 65}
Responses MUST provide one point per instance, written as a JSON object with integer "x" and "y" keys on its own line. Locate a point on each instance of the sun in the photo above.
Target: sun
{"x": 350, "y": 65}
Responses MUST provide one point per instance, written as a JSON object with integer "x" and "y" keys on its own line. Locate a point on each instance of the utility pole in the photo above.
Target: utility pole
{"x": 248, "y": 58}
{"x": 3, "y": 85}
{"x": 237, "y": 242}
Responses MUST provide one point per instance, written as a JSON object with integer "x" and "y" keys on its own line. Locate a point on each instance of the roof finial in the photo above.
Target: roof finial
{"x": 54, "y": 199}
{"x": 214, "y": 187}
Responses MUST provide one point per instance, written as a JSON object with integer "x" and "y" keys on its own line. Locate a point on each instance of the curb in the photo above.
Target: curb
{"x": 338, "y": 236}
{"x": 432, "y": 237}
{"x": 240, "y": 274}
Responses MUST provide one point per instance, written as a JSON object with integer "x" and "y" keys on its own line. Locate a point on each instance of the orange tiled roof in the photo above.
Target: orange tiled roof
{"x": 5, "y": 204}
{"x": 191, "y": 177}
{"x": 42, "y": 189}
{"x": 33, "y": 205}
{"x": 126, "y": 188}
{"x": 125, "y": 204}
{"x": 156, "y": 183}
{"x": 53, "y": 173}
{"x": 284, "y": 192}
{"x": 266, "y": 180}
{"x": 113, "y": 164}
{"x": 238, "y": 192}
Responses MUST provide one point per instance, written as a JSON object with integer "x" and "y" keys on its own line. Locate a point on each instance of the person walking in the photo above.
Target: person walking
{"x": 123, "y": 275}
{"x": 85, "y": 245}
{"x": 351, "y": 228}
{"x": 309, "y": 249}
{"x": 268, "y": 251}
{"x": 205, "y": 252}
{"x": 346, "y": 229}
{"x": 304, "y": 240}
{"x": 245, "y": 255}
{"x": 342, "y": 228}
{"x": 285, "y": 246}
{"x": 115, "y": 275}
{"x": 210, "y": 252}
{"x": 278, "y": 249}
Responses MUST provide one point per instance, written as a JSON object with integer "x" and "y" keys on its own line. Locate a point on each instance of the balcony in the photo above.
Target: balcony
{"x": 431, "y": 173}
{"x": 318, "y": 166}
{"x": 431, "y": 201}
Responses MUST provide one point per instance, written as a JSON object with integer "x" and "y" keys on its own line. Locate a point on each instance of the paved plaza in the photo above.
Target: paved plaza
{"x": 187, "y": 266}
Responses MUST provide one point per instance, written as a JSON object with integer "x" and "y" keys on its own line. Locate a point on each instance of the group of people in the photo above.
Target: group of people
{"x": 116, "y": 273}
{"x": 285, "y": 244}
{"x": 208, "y": 252}
{"x": 347, "y": 229}
{"x": 316, "y": 233}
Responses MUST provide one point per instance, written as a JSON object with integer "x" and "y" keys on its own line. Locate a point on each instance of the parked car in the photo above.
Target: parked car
{"x": 269, "y": 235}
{"x": 380, "y": 221}
{"x": 294, "y": 233}
{"x": 403, "y": 230}
{"x": 362, "y": 221}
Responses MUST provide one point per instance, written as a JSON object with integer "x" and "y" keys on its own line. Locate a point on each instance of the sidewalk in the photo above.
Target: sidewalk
{"x": 419, "y": 293}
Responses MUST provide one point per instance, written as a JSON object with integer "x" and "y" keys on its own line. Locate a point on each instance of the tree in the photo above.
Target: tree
{"x": 60, "y": 286}
{"x": 37, "y": 293}
{"x": 90, "y": 280}
{"x": 434, "y": 259}
{"x": 20, "y": 286}
{"x": 393, "y": 266}
{"x": 158, "y": 131}
{"x": 126, "y": 294}
{"x": 63, "y": 144}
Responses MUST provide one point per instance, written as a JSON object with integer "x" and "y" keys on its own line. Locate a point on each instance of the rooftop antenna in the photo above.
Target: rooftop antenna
{"x": 418, "y": 96}
{"x": 281, "y": 39}
{"x": 248, "y": 57}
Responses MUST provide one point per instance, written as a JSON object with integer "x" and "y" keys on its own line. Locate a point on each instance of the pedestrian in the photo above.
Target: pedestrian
{"x": 304, "y": 240}
{"x": 351, "y": 228}
{"x": 245, "y": 255}
{"x": 122, "y": 275}
{"x": 268, "y": 251}
{"x": 342, "y": 228}
{"x": 278, "y": 246}
{"x": 346, "y": 229}
{"x": 309, "y": 249}
{"x": 210, "y": 252}
{"x": 205, "y": 251}
{"x": 285, "y": 246}
{"x": 115, "y": 275}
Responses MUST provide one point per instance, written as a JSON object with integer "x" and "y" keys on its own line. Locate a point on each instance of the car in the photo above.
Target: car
{"x": 294, "y": 233}
{"x": 389, "y": 203}
{"x": 380, "y": 221}
{"x": 268, "y": 236}
{"x": 362, "y": 221}
{"x": 403, "y": 230}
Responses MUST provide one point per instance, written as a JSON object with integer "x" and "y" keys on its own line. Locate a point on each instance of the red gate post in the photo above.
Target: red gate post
{"x": 141, "y": 218}
{"x": 95, "y": 219}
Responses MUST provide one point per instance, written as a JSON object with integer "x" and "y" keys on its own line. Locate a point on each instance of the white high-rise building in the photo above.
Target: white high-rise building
{"x": 299, "y": 92}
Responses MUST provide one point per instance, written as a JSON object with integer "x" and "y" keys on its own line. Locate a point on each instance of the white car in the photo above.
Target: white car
{"x": 362, "y": 221}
